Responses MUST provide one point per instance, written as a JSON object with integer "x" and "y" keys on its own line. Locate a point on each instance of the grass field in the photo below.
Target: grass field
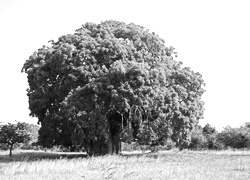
{"x": 201, "y": 165}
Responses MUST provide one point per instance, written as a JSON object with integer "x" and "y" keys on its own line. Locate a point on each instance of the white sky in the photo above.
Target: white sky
{"x": 212, "y": 37}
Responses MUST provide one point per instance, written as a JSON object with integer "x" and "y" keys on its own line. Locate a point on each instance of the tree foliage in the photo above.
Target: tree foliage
{"x": 235, "y": 137}
{"x": 208, "y": 130}
{"x": 210, "y": 134}
{"x": 198, "y": 139}
{"x": 32, "y": 130}
{"x": 12, "y": 134}
{"x": 110, "y": 77}
{"x": 205, "y": 138}
{"x": 208, "y": 138}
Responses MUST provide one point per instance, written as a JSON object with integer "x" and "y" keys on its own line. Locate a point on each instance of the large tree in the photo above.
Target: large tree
{"x": 111, "y": 78}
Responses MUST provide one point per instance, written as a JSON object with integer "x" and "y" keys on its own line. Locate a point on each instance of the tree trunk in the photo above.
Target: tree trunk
{"x": 116, "y": 143}
{"x": 11, "y": 147}
{"x": 103, "y": 147}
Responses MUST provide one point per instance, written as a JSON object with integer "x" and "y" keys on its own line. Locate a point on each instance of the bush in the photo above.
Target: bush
{"x": 161, "y": 148}
{"x": 169, "y": 144}
{"x": 198, "y": 139}
{"x": 235, "y": 137}
{"x": 213, "y": 143}
{"x": 130, "y": 146}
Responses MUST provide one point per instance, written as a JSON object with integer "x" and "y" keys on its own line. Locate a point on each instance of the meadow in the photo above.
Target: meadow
{"x": 174, "y": 164}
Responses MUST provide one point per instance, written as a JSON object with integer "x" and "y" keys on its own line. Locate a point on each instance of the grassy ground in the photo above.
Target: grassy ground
{"x": 186, "y": 165}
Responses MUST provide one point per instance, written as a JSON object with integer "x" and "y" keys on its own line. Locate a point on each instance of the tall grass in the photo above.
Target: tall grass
{"x": 186, "y": 165}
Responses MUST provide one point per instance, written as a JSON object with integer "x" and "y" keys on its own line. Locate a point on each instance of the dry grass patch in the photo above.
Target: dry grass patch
{"x": 168, "y": 165}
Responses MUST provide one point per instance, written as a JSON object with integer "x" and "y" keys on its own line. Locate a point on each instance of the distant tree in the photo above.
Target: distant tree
{"x": 208, "y": 130}
{"x": 12, "y": 134}
{"x": 245, "y": 129}
{"x": 234, "y": 137}
{"x": 210, "y": 133}
{"x": 106, "y": 78}
{"x": 247, "y": 125}
{"x": 32, "y": 130}
{"x": 198, "y": 139}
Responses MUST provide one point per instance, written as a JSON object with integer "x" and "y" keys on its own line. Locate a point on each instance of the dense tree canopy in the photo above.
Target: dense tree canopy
{"x": 109, "y": 78}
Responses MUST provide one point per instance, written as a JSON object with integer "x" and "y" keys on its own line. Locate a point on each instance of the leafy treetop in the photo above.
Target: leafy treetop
{"x": 113, "y": 68}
